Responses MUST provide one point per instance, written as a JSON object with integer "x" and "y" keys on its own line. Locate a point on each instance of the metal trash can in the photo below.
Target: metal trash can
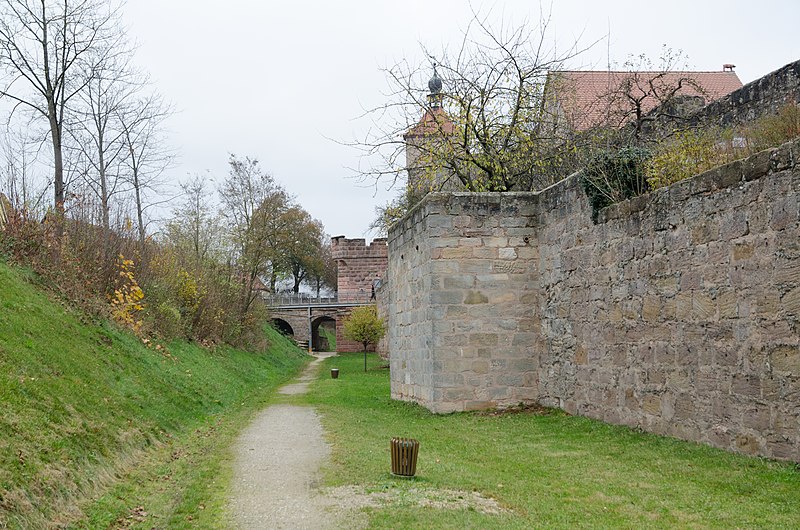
{"x": 404, "y": 456}
{"x": 335, "y": 373}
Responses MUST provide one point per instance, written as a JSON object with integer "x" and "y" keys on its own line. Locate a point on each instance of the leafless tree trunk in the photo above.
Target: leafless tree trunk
{"x": 21, "y": 184}
{"x": 194, "y": 228}
{"x": 98, "y": 136}
{"x": 147, "y": 156}
{"x": 48, "y": 54}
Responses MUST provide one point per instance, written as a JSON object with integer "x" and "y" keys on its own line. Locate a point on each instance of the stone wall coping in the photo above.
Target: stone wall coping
{"x": 444, "y": 197}
{"x": 745, "y": 94}
{"x": 720, "y": 178}
{"x": 730, "y": 175}
{"x": 781, "y": 85}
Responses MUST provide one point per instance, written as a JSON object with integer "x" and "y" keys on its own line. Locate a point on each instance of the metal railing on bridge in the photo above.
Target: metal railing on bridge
{"x": 304, "y": 299}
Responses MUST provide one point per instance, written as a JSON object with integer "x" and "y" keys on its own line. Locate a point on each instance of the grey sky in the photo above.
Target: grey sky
{"x": 275, "y": 80}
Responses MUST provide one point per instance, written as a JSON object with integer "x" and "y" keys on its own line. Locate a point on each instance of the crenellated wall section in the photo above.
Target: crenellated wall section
{"x": 360, "y": 270}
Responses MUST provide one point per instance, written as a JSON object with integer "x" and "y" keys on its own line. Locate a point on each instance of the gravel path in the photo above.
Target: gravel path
{"x": 276, "y": 474}
{"x": 277, "y": 465}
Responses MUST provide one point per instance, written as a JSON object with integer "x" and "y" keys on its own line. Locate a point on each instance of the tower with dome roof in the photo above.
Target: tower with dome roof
{"x": 426, "y": 142}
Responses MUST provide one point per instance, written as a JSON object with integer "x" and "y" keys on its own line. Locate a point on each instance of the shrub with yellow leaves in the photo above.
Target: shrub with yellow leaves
{"x": 127, "y": 300}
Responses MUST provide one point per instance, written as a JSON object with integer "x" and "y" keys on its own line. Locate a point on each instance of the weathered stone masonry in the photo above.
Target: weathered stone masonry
{"x": 460, "y": 298}
{"x": 679, "y": 312}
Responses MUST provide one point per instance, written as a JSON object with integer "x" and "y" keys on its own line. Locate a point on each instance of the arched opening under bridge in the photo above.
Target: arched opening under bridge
{"x": 283, "y": 327}
{"x": 323, "y": 334}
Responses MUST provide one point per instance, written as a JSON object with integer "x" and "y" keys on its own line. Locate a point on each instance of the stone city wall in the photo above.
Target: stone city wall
{"x": 678, "y": 312}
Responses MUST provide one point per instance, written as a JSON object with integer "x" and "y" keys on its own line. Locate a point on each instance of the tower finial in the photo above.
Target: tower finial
{"x": 435, "y": 87}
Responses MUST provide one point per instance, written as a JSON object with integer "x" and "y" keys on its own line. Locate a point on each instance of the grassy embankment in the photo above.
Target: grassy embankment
{"x": 98, "y": 430}
{"x": 549, "y": 471}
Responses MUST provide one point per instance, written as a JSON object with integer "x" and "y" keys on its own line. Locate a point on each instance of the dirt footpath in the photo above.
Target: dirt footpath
{"x": 277, "y": 466}
{"x": 276, "y": 476}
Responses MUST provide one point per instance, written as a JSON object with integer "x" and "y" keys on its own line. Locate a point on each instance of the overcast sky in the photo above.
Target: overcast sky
{"x": 277, "y": 80}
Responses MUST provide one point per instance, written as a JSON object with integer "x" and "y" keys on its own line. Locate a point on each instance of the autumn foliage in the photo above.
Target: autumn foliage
{"x": 364, "y": 326}
{"x": 200, "y": 278}
{"x": 127, "y": 300}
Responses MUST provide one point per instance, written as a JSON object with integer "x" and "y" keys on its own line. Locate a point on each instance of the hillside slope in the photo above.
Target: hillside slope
{"x": 81, "y": 403}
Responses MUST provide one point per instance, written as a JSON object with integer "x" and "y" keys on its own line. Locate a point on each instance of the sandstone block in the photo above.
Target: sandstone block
{"x": 743, "y": 251}
{"x": 507, "y": 267}
{"x": 651, "y": 308}
{"x": 456, "y": 252}
{"x": 746, "y": 386}
{"x": 757, "y": 165}
{"x": 443, "y": 242}
{"x": 507, "y": 253}
{"x": 757, "y": 418}
{"x": 476, "y": 266}
{"x": 440, "y": 221}
{"x": 727, "y": 305}
{"x": 725, "y": 356}
{"x": 459, "y": 281}
{"x": 786, "y": 359}
{"x": 480, "y": 367}
{"x": 703, "y": 307}
{"x": 782, "y": 448}
{"x": 475, "y": 297}
{"x": 787, "y": 271}
{"x": 734, "y": 225}
{"x": 683, "y": 305}
{"x": 527, "y": 252}
{"x": 691, "y": 280}
{"x": 651, "y": 404}
{"x": 746, "y": 444}
{"x": 468, "y": 242}
{"x": 498, "y": 242}
{"x": 449, "y": 297}
{"x": 483, "y": 339}
{"x": 460, "y": 221}
{"x": 479, "y": 405}
{"x": 791, "y": 302}
{"x": 704, "y": 233}
{"x": 484, "y": 252}
{"x": 784, "y": 213}
{"x": 503, "y": 299}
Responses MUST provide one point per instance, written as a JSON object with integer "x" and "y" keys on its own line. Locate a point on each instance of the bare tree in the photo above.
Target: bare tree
{"x": 646, "y": 92}
{"x": 195, "y": 228}
{"x": 253, "y": 206}
{"x": 19, "y": 180}
{"x": 480, "y": 122}
{"x": 147, "y": 154}
{"x": 49, "y": 51}
{"x": 98, "y": 135}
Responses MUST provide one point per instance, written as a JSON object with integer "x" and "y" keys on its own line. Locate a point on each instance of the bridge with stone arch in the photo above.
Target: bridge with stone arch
{"x": 360, "y": 269}
{"x": 303, "y": 322}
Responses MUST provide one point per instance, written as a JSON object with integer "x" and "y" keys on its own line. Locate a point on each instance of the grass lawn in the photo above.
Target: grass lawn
{"x": 548, "y": 470}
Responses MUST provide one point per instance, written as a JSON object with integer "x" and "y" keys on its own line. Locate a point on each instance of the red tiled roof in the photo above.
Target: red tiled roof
{"x": 434, "y": 121}
{"x": 588, "y": 99}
